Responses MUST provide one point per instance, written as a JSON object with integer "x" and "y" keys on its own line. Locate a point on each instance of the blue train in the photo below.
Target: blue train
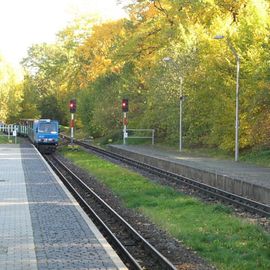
{"x": 43, "y": 133}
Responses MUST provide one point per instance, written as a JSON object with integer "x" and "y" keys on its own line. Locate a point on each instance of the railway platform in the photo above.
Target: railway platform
{"x": 246, "y": 180}
{"x": 41, "y": 225}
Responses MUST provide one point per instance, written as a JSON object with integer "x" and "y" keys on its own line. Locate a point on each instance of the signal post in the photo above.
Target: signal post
{"x": 72, "y": 109}
{"x": 125, "y": 120}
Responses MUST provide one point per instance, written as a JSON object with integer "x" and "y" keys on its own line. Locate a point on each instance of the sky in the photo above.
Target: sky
{"x": 27, "y": 22}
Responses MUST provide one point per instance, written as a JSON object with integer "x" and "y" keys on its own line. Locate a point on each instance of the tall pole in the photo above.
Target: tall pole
{"x": 237, "y": 109}
{"x": 72, "y": 128}
{"x": 236, "y": 150}
{"x": 180, "y": 112}
{"x": 125, "y": 127}
{"x": 72, "y": 109}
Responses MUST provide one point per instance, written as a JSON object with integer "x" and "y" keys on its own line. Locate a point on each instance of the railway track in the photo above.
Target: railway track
{"x": 236, "y": 200}
{"x": 134, "y": 250}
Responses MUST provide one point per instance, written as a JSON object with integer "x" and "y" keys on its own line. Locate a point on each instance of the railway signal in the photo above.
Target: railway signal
{"x": 125, "y": 105}
{"x": 72, "y": 106}
{"x": 125, "y": 120}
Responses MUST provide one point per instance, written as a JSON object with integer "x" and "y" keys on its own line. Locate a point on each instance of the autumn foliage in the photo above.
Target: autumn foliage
{"x": 99, "y": 63}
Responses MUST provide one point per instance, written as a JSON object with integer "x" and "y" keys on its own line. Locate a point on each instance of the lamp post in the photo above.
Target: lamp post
{"x": 236, "y": 150}
{"x": 181, "y": 99}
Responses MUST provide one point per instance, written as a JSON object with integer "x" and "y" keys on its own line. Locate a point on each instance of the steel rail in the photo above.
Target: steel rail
{"x": 114, "y": 241}
{"x": 245, "y": 203}
{"x": 159, "y": 258}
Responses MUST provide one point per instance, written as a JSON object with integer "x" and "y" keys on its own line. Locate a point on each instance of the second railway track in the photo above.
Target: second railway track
{"x": 219, "y": 194}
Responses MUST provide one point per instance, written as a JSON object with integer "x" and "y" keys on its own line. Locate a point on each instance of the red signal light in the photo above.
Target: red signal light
{"x": 125, "y": 105}
{"x": 72, "y": 105}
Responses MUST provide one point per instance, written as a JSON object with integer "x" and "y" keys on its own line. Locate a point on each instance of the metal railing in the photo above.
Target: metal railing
{"x": 139, "y": 134}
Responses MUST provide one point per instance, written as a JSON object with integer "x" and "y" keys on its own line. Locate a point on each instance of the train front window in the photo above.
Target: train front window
{"x": 47, "y": 128}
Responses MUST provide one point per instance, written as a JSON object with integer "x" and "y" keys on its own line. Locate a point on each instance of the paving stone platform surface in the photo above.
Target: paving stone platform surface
{"x": 41, "y": 225}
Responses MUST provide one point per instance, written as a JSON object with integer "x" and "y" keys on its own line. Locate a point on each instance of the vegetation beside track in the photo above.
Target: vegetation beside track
{"x": 211, "y": 230}
{"x": 4, "y": 139}
{"x": 259, "y": 156}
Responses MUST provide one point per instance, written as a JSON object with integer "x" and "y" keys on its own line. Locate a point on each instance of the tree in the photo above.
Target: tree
{"x": 100, "y": 63}
{"x": 10, "y": 93}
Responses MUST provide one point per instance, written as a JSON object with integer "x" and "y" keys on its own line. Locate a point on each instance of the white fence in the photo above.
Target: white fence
{"x": 139, "y": 134}
{"x": 9, "y": 131}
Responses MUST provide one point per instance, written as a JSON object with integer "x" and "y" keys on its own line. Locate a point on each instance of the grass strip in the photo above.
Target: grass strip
{"x": 4, "y": 139}
{"x": 211, "y": 230}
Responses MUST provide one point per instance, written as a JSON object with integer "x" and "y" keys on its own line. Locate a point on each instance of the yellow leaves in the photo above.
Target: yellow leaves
{"x": 99, "y": 49}
{"x": 98, "y": 67}
{"x": 262, "y": 10}
{"x": 263, "y": 85}
{"x": 140, "y": 11}
{"x": 10, "y": 93}
{"x": 154, "y": 9}
{"x": 63, "y": 88}
{"x": 116, "y": 69}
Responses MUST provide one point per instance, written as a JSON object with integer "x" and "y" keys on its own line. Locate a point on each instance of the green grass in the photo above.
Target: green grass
{"x": 259, "y": 157}
{"x": 4, "y": 139}
{"x": 227, "y": 241}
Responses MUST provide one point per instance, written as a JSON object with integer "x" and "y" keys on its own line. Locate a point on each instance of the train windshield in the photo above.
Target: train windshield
{"x": 47, "y": 128}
